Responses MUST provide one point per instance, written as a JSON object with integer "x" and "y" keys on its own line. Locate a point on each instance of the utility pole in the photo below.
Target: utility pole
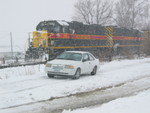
{"x": 29, "y": 40}
{"x": 11, "y": 44}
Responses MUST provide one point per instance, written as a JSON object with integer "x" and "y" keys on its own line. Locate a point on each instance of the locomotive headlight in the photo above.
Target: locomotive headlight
{"x": 69, "y": 66}
{"x": 48, "y": 65}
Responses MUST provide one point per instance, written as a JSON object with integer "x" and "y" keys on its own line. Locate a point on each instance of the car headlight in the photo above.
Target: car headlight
{"x": 48, "y": 65}
{"x": 69, "y": 67}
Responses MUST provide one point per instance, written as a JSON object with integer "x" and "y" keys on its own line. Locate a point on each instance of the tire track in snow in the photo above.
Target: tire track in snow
{"x": 134, "y": 90}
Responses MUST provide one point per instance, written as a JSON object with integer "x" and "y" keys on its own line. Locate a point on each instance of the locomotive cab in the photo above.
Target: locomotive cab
{"x": 47, "y": 31}
{"x": 47, "y": 35}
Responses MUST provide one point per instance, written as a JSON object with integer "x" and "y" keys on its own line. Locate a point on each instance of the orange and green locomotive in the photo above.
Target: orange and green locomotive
{"x": 53, "y": 37}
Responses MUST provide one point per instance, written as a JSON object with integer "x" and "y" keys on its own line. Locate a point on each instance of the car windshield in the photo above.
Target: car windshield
{"x": 70, "y": 56}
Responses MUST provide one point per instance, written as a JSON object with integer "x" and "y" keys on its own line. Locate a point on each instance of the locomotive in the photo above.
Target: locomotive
{"x": 55, "y": 36}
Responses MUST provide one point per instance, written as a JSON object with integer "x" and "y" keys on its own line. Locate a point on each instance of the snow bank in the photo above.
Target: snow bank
{"x": 22, "y": 71}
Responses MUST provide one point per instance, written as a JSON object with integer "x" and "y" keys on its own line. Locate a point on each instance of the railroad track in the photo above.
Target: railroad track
{"x": 21, "y": 64}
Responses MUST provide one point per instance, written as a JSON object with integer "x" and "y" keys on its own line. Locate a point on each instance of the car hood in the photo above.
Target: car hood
{"x": 64, "y": 62}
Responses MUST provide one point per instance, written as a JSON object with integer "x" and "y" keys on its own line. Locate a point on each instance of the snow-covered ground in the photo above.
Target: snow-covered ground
{"x": 135, "y": 104}
{"x": 23, "y": 85}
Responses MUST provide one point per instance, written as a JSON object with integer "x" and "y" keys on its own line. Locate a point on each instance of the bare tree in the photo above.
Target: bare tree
{"x": 93, "y": 11}
{"x": 103, "y": 12}
{"x": 130, "y": 13}
{"x": 84, "y": 10}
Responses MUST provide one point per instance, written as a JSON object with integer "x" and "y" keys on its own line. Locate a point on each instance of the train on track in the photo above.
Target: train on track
{"x": 54, "y": 36}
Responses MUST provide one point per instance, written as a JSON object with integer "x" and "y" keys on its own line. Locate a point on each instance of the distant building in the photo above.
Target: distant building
{"x": 5, "y": 52}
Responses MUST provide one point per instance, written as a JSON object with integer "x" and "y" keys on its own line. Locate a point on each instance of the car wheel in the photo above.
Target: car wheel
{"x": 50, "y": 75}
{"x": 94, "y": 71}
{"x": 77, "y": 74}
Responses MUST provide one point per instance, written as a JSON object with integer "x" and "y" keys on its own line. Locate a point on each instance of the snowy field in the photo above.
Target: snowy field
{"x": 29, "y": 84}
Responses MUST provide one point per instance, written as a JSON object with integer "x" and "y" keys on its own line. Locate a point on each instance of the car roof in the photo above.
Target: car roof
{"x": 82, "y": 52}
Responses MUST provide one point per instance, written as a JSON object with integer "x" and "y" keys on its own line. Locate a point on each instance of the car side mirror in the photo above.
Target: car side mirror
{"x": 84, "y": 60}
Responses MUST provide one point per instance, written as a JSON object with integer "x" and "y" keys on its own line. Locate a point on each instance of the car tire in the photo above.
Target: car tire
{"x": 77, "y": 74}
{"x": 94, "y": 70}
{"x": 50, "y": 75}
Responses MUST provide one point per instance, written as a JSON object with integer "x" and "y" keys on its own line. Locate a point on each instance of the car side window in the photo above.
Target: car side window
{"x": 86, "y": 57}
{"x": 91, "y": 57}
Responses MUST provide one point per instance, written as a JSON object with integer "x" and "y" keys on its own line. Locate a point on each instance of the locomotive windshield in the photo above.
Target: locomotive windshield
{"x": 50, "y": 26}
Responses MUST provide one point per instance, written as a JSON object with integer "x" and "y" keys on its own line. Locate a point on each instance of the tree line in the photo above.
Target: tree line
{"x": 123, "y": 13}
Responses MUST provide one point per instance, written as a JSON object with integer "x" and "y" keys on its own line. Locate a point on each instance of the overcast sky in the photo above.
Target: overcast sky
{"x": 22, "y": 16}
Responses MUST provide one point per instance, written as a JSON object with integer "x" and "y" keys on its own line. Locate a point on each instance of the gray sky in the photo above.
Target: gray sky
{"x": 25, "y": 14}
{"x": 22, "y": 16}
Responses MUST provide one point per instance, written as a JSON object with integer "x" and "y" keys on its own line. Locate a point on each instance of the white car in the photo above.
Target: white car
{"x": 72, "y": 64}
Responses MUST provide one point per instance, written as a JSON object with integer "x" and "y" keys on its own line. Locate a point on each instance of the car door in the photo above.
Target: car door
{"x": 92, "y": 60}
{"x": 86, "y": 65}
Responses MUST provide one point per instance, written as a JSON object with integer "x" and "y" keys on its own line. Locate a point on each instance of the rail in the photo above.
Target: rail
{"x": 21, "y": 64}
